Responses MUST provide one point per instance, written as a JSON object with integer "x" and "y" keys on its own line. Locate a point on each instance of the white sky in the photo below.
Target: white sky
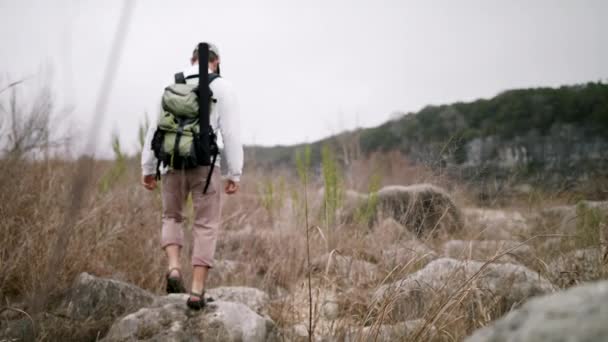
{"x": 306, "y": 69}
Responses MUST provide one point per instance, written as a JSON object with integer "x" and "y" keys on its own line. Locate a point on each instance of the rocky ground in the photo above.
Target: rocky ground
{"x": 420, "y": 268}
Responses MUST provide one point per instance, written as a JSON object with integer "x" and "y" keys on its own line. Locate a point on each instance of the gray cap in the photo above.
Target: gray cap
{"x": 212, "y": 48}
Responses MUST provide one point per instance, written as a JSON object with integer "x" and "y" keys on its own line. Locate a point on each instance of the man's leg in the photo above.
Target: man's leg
{"x": 207, "y": 212}
{"x": 172, "y": 235}
{"x": 199, "y": 276}
{"x": 173, "y": 252}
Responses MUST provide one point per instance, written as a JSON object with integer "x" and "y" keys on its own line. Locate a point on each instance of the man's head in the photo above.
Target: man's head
{"x": 214, "y": 57}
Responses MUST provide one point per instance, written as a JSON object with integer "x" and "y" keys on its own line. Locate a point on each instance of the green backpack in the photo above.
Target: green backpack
{"x": 177, "y": 142}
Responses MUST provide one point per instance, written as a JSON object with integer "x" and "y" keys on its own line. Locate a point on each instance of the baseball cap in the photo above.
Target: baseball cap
{"x": 212, "y": 48}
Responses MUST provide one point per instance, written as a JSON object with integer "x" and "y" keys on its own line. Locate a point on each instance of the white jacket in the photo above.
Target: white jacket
{"x": 224, "y": 119}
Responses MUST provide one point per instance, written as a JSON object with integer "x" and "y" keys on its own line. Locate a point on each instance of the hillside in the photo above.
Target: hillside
{"x": 561, "y": 130}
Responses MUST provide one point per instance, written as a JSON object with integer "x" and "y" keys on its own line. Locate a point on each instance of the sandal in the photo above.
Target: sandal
{"x": 175, "y": 284}
{"x": 198, "y": 304}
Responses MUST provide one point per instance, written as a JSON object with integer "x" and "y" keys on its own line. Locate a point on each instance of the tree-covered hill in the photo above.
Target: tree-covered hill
{"x": 538, "y": 125}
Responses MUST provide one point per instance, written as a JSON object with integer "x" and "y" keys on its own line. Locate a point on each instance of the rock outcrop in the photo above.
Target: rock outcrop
{"x": 171, "y": 320}
{"x": 568, "y": 219}
{"x": 578, "y": 314}
{"x": 414, "y": 295}
{"x": 422, "y": 208}
{"x": 484, "y": 250}
{"x": 95, "y": 306}
{"x": 577, "y": 266}
{"x": 405, "y": 253}
{"x": 99, "y": 298}
{"x": 346, "y": 268}
{"x": 495, "y": 224}
{"x": 407, "y": 330}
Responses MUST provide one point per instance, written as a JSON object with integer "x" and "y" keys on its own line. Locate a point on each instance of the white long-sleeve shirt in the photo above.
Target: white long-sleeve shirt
{"x": 224, "y": 119}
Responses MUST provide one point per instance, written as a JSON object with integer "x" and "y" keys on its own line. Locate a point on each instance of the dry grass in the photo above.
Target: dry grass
{"x": 116, "y": 235}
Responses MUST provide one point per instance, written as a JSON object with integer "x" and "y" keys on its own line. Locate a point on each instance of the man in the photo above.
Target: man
{"x": 177, "y": 184}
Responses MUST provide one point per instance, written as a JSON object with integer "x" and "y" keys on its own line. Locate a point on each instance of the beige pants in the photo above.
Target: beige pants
{"x": 176, "y": 185}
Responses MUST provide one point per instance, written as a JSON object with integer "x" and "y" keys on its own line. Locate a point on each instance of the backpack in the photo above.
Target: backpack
{"x": 177, "y": 142}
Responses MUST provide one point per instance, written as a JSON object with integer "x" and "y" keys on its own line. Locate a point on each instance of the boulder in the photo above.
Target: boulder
{"x": 494, "y": 224}
{"x": 577, "y": 266}
{"x": 578, "y": 314}
{"x": 401, "y": 331}
{"x": 90, "y": 308}
{"x": 171, "y": 320}
{"x": 96, "y": 298}
{"x": 413, "y": 296}
{"x": 17, "y": 330}
{"x": 255, "y": 299}
{"x": 393, "y": 332}
{"x": 423, "y": 208}
{"x": 406, "y": 253}
{"x": 346, "y": 268}
{"x": 483, "y": 250}
{"x": 566, "y": 219}
{"x": 390, "y": 231}
{"x": 83, "y": 312}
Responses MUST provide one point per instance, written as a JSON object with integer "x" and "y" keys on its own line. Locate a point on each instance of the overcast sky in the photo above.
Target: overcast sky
{"x": 305, "y": 69}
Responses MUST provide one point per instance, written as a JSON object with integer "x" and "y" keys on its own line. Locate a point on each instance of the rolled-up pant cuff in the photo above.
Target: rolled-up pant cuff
{"x": 171, "y": 234}
{"x": 197, "y": 262}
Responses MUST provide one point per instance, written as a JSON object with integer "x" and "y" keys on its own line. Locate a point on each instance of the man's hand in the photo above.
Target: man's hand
{"x": 149, "y": 182}
{"x": 231, "y": 187}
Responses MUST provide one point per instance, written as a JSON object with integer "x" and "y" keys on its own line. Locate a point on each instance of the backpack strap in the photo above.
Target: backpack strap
{"x": 211, "y": 167}
{"x": 213, "y": 77}
{"x": 192, "y": 76}
{"x": 158, "y": 169}
{"x": 179, "y": 78}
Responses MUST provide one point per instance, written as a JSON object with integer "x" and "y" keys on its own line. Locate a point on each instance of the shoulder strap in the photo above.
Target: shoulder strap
{"x": 213, "y": 77}
{"x": 179, "y": 78}
{"x": 192, "y": 76}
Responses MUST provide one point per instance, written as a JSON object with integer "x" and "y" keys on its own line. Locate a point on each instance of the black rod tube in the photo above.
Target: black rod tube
{"x": 203, "y": 99}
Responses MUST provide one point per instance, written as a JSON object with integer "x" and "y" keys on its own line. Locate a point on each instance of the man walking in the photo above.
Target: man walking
{"x": 178, "y": 183}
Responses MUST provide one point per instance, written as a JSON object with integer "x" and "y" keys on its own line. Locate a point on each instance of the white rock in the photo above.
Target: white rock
{"x": 346, "y": 268}
{"x": 495, "y": 224}
{"x": 408, "y": 252}
{"x": 578, "y": 314}
{"x": 415, "y": 294}
{"x": 577, "y": 266}
{"x": 173, "y": 321}
{"x": 257, "y": 300}
{"x": 483, "y": 250}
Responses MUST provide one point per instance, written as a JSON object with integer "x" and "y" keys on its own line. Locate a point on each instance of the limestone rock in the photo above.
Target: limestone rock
{"x": 441, "y": 278}
{"x": 578, "y": 314}
{"x": 257, "y": 300}
{"x": 494, "y": 224}
{"x": 171, "y": 320}
{"x": 396, "y": 332}
{"x": 346, "y": 268}
{"x": 17, "y": 330}
{"x": 483, "y": 250}
{"x": 422, "y": 208}
{"x": 566, "y": 218}
{"x": 393, "y": 230}
{"x": 578, "y": 266}
{"x": 408, "y": 252}
{"x": 98, "y": 298}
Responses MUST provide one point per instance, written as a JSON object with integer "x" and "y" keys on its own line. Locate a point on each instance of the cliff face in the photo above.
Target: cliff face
{"x": 566, "y": 152}
{"x": 542, "y": 133}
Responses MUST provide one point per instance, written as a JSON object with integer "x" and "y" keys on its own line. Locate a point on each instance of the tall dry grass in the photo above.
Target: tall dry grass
{"x": 280, "y": 234}
{"x": 116, "y": 235}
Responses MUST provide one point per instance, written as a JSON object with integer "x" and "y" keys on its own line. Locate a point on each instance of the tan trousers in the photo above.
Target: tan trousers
{"x": 176, "y": 185}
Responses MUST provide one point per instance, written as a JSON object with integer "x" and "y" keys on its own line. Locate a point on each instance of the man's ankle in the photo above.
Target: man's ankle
{"x": 175, "y": 272}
